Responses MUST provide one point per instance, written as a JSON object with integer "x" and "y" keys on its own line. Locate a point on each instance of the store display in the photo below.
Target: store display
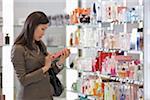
{"x": 107, "y": 70}
{"x": 106, "y": 41}
{"x": 58, "y": 20}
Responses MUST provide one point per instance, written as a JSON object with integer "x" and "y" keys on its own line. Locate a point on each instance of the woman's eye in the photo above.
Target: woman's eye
{"x": 43, "y": 29}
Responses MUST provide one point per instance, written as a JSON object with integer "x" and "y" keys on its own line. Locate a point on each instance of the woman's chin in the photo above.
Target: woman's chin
{"x": 38, "y": 39}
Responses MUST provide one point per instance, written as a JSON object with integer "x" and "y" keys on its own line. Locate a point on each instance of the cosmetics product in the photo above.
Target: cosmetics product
{"x": 74, "y": 86}
{"x": 71, "y": 39}
{"x": 59, "y": 53}
{"x": 133, "y": 15}
{"x": 77, "y": 34}
{"x": 94, "y": 14}
{"x": 133, "y": 39}
{"x": 141, "y": 39}
{"x": 71, "y": 65}
{"x": 7, "y": 39}
{"x": 138, "y": 41}
{"x": 99, "y": 13}
{"x": 139, "y": 73}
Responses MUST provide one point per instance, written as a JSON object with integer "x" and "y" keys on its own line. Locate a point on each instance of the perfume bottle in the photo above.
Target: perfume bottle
{"x": 99, "y": 19}
{"x": 7, "y": 39}
{"x": 133, "y": 15}
{"x": 94, "y": 13}
{"x": 139, "y": 73}
{"x": 77, "y": 36}
{"x": 71, "y": 39}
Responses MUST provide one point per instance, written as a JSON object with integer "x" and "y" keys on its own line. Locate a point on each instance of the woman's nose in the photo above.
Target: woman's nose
{"x": 42, "y": 33}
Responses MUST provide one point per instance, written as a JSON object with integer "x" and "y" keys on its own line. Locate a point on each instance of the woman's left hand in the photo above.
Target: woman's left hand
{"x": 63, "y": 57}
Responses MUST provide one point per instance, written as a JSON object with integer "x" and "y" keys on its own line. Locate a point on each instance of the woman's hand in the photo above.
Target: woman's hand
{"x": 48, "y": 61}
{"x": 63, "y": 57}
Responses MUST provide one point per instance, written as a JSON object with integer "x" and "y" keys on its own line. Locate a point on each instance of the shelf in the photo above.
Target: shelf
{"x": 106, "y": 50}
{"x": 123, "y": 80}
{"x": 71, "y": 69}
{"x": 114, "y": 78}
{"x": 73, "y": 91}
{"x": 5, "y": 45}
{"x": 102, "y": 24}
{"x": 89, "y": 97}
{"x": 86, "y": 25}
{"x": 135, "y": 51}
{"x": 111, "y": 78}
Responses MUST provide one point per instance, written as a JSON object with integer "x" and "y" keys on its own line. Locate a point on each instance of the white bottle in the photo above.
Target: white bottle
{"x": 99, "y": 13}
{"x": 93, "y": 13}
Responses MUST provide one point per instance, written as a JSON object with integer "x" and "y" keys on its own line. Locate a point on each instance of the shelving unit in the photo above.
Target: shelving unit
{"x": 85, "y": 46}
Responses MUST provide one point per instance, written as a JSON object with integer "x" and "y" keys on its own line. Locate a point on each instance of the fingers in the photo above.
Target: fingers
{"x": 49, "y": 56}
{"x": 66, "y": 53}
{"x": 49, "y": 53}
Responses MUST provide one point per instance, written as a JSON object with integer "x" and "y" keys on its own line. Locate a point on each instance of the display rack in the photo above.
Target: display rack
{"x": 107, "y": 19}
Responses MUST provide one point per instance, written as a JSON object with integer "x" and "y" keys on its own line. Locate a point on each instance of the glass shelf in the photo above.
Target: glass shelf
{"x": 89, "y": 97}
{"x": 73, "y": 91}
{"x": 111, "y": 78}
{"x": 99, "y": 25}
{"x": 103, "y": 24}
{"x": 71, "y": 69}
{"x": 106, "y": 50}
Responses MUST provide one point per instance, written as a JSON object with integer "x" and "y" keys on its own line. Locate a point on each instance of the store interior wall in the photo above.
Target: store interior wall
{"x": 22, "y": 10}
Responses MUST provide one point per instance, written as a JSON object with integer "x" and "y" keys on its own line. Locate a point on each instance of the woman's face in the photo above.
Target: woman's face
{"x": 40, "y": 31}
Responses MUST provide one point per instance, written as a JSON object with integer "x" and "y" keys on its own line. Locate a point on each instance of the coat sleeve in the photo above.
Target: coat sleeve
{"x": 18, "y": 60}
{"x": 55, "y": 67}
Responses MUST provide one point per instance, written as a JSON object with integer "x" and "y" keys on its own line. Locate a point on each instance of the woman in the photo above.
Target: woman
{"x": 32, "y": 61}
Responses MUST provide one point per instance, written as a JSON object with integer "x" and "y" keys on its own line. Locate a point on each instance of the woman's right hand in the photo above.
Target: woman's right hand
{"x": 48, "y": 61}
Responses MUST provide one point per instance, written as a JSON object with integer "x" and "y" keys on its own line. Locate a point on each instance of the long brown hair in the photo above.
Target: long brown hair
{"x": 33, "y": 20}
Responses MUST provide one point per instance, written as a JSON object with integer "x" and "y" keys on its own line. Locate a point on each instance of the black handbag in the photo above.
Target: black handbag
{"x": 58, "y": 87}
